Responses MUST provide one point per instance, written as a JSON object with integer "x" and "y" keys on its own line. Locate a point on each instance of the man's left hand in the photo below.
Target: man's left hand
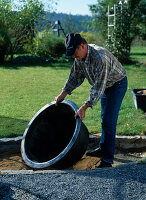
{"x": 81, "y": 112}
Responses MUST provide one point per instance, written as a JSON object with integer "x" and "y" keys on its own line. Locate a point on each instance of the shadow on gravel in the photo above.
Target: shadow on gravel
{"x": 130, "y": 171}
{"x": 10, "y": 192}
{"x": 6, "y": 191}
{"x": 121, "y": 182}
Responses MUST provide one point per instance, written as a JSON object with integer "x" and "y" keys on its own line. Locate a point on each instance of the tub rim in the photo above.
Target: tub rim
{"x": 54, "y": 160}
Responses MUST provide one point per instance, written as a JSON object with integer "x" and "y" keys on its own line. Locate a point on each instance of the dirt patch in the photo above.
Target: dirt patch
{"x": 86, "y": 162}
{"x": 12, "y": 160}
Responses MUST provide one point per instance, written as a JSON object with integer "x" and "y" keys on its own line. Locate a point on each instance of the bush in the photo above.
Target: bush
{"x": 47, "y": 44}
{"x": 26, "y": 59}
{"x": 121, "y": 53}
{"x": 64, "y": 59}
{"x": 92, "y": 38}
{"x": 4, "y": 44}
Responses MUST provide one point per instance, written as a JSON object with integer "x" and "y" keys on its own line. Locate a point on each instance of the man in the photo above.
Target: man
{"x": 109, "y": 82}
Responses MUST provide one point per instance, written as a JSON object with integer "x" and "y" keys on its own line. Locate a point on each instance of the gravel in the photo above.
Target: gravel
{"x": 123, "y": 182}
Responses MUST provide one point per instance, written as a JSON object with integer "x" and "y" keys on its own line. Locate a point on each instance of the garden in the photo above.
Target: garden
{"x": 34, "y": 69}
{"x": 27, "y": 88}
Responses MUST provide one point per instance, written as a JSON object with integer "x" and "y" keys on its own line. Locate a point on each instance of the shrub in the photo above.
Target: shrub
{"x": 118, "y": 50}
{"x": 92, "y": 38}
{"x": 64, "y": 59}
{"x": 26, "y": 59}
{"x": 4, "y": 44}
{"x": 47, "y": 44}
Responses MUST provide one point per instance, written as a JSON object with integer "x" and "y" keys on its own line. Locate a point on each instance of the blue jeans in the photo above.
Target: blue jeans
{"x": 111, "y": 101}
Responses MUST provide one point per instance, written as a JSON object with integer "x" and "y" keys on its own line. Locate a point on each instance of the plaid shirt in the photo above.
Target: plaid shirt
{"x": 100, "y": 68}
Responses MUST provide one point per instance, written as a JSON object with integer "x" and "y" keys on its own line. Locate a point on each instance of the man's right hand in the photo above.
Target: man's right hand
{"x": 60, "y": 97}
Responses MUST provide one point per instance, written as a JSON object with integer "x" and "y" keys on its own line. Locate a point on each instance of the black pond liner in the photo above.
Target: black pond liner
{"x": 54, "y": 138}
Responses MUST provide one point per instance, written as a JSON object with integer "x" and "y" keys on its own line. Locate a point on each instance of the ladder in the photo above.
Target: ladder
{"x": 113, "y": 24}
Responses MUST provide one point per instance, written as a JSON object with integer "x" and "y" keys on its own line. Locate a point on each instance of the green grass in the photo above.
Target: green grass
{"x": 138, "y": 53}
{"x": 26, "y": 89}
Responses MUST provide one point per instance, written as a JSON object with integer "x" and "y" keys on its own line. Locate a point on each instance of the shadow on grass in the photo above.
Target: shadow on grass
{"x": 9, "y": 65}
{"x": 55, "y": 65}
{"x": 134, "y": 63}
{"x": 139, "y": 54}
{"x": 11, "y": 127}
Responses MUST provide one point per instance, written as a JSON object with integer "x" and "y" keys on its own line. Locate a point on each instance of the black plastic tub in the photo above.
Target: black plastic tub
{"x": 139, "y": 99}
{"x": 54, "y": 138}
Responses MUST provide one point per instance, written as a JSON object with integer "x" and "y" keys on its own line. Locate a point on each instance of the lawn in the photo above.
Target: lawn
{"x": 26, "y": 89}
{"x": 138, "y": 53}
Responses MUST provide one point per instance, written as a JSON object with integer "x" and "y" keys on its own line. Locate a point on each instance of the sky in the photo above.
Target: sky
{"x": 74, "y": 7}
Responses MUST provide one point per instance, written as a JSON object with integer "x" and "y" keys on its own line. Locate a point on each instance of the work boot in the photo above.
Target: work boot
{"x": 96, "y": 152}
{"x": 104, "y": 164}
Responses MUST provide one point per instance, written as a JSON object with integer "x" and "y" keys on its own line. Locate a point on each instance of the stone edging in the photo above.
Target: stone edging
{"x": 122, "y": 142}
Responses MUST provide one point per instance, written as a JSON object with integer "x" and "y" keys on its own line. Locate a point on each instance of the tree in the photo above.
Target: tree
{"x": 136, "y": 17}
{"x": 19, "y": 22}
{"x": 4, "y": 43}
{"x": 119, "y": 40}
{"x": 69, "y": 25}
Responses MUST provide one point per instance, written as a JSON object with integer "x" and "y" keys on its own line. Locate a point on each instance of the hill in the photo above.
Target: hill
{"x": 70, "y": 23}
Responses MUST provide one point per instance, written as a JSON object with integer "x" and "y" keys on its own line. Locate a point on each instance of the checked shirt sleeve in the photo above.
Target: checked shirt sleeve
{"x": 76, "y": 78}
{"x": 99, "y": 85}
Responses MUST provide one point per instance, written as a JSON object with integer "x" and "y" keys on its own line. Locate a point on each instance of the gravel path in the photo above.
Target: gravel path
{"x": 122, "y": 182}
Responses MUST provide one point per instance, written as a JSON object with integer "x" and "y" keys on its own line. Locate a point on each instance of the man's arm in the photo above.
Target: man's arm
{"x": 60, "y": 97}
{"x": 76, "y": 78}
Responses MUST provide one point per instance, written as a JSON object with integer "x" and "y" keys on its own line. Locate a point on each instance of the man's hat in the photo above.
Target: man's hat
{"x": 71, "y": 42}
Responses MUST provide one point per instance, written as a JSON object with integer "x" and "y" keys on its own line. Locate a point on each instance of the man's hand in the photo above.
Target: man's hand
{"x": 81, "y": 112}
{"x": 60, "y": 97}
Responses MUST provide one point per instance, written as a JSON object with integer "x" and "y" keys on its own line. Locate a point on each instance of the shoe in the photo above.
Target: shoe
{"x": 96, "y": 152}
{"x": 104, "y": 164}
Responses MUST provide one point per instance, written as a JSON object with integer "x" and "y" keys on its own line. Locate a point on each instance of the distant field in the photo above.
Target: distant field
{"x": 25, "y": 89}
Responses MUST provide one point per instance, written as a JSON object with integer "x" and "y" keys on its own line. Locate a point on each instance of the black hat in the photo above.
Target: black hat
{"x": 71, "y": 42}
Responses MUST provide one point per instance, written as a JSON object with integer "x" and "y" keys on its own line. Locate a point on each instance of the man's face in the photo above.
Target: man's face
{"x": 80, "y": 52}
